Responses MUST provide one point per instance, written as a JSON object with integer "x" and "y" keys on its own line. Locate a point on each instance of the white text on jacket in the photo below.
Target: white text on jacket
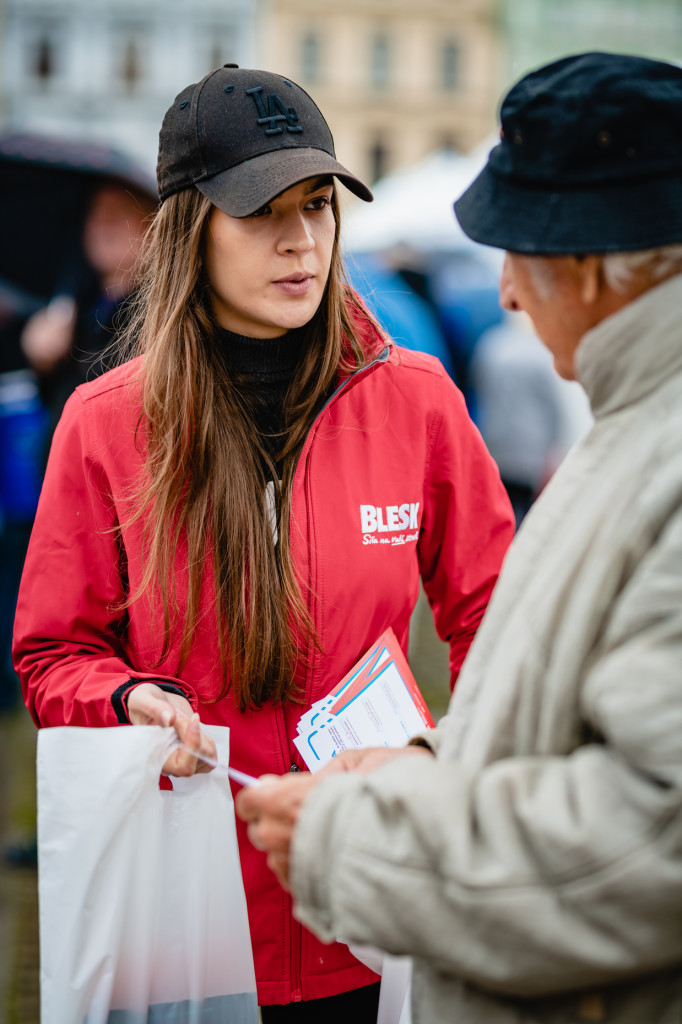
{"x": 375, "y": 519}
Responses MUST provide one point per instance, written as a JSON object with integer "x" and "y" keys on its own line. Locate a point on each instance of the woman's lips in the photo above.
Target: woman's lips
{"x": 297, "y": 284}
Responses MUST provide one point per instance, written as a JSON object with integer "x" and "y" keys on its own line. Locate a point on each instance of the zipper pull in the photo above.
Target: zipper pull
{"x": 294, "y": 768}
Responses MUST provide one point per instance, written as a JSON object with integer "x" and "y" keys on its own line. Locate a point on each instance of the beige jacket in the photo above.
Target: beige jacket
{"x": 534, "y": 867}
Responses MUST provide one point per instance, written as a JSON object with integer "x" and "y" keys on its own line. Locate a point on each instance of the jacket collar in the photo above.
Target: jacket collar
{"x": 632, "y": 352}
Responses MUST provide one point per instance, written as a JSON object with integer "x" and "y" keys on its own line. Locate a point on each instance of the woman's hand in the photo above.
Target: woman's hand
{"x": 148, "y": 704}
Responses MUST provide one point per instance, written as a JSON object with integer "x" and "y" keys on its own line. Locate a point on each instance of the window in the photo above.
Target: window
{"x": 310, "y": 58}
{"x": 381, "y": 59}
{"x": 43, "y": 60}
{"x": 448, "y": 143}
{"x": 217, "y": 56}
{"x": 221, "y": 47}
{"x": 131, "y": 71}
{"x": 129, "y": 41}
{"x": 45, "y": 54}
{"x": 450, "y": 66}
{"x": 378, "y": 160}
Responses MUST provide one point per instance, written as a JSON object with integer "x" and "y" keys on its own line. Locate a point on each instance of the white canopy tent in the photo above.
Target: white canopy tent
{"x": 413, "y": 208}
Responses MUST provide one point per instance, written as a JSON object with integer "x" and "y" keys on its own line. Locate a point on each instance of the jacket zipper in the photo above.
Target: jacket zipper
{"x": 296, "y": 928}
{"x": 305, "y": 450}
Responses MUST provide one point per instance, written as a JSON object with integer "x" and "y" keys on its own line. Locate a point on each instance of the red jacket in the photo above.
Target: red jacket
{"x": 393, "y": 482}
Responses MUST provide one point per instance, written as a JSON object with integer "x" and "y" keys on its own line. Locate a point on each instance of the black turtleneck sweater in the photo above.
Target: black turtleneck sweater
{"x": 264, "y": 369}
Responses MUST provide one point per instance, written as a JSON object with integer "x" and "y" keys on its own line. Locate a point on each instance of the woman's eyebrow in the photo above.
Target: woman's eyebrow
{"x": 318, "y": 183}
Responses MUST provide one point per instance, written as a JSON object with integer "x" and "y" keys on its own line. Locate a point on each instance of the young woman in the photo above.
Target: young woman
{"x": 230, "y": 519}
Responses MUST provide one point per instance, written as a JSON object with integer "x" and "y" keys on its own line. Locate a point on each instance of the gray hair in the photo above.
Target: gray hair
{"x": 621, "y": 267}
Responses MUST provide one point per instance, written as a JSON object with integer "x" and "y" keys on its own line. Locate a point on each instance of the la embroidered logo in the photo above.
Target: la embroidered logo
{"x": 395, "y": 520}
{"x": 275, "y": 113}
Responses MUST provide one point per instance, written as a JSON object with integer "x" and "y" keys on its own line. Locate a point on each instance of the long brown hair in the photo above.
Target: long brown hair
{"x": 207, "y": 469}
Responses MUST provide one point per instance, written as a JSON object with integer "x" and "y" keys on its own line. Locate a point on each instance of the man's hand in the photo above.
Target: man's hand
{"x": 47, "y": 337}
{"x": 272, "y": 808}
{"x": 148, "y": 704}
{"x": 368, "y": 758}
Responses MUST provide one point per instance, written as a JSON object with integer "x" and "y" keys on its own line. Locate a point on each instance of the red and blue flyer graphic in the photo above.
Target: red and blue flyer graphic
{"x": 377, "y": 703}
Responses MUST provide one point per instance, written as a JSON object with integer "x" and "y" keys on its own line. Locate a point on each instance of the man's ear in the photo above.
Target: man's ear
{"x": 591, "y": 277}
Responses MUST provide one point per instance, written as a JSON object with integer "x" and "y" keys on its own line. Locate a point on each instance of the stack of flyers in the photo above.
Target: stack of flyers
{"x": 377, "y": 704}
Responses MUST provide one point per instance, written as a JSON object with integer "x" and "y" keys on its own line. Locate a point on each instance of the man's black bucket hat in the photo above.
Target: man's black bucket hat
{"x": 589, "y": 160}
{"x": 243, "y": 137}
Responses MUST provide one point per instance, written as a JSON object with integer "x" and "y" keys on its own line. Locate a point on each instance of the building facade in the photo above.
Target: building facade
{"x": 396, "y": 80}
{"x": 108, "y": 71}
{"x": 539, "y": 31}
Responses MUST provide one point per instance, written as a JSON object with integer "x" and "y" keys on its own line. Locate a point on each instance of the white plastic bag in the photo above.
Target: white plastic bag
{"x": 396, "y": 982}
{"x": 142, "y": 907}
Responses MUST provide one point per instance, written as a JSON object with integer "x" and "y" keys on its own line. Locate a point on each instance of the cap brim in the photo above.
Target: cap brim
{"x": 610, "y": 217}
{"x": 243, "y": 189}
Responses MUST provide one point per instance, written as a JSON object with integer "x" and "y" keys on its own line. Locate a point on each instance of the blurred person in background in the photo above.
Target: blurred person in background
{"x": 22, "y": 437}
{"x": 529, "y": 417}
{"x": 57, "y": 348}
{"x": 231, "y": 519}
{"x": 65, "y": 343}
{"x": 528, "y": 852}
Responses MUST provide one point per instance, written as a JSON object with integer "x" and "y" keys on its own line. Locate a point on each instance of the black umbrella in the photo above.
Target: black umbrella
{"x": 45, "y": 187}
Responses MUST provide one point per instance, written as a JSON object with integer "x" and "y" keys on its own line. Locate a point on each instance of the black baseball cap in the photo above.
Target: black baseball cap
{"x": 589, "y": 160}
{"x": 242, "y": 137}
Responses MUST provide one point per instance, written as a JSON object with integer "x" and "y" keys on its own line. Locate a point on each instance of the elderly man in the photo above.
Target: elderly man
{"x": 533, "y": 866}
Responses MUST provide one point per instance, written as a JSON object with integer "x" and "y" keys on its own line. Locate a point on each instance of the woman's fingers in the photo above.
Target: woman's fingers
{"x": 182, "y": 762}
{"x": 148, "y": 704}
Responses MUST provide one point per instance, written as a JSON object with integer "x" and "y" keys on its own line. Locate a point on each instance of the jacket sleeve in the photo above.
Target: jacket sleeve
{"x": 533, "y": 875}
{"x": 69, "y": 631}
{"x": 467, "y": 526}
